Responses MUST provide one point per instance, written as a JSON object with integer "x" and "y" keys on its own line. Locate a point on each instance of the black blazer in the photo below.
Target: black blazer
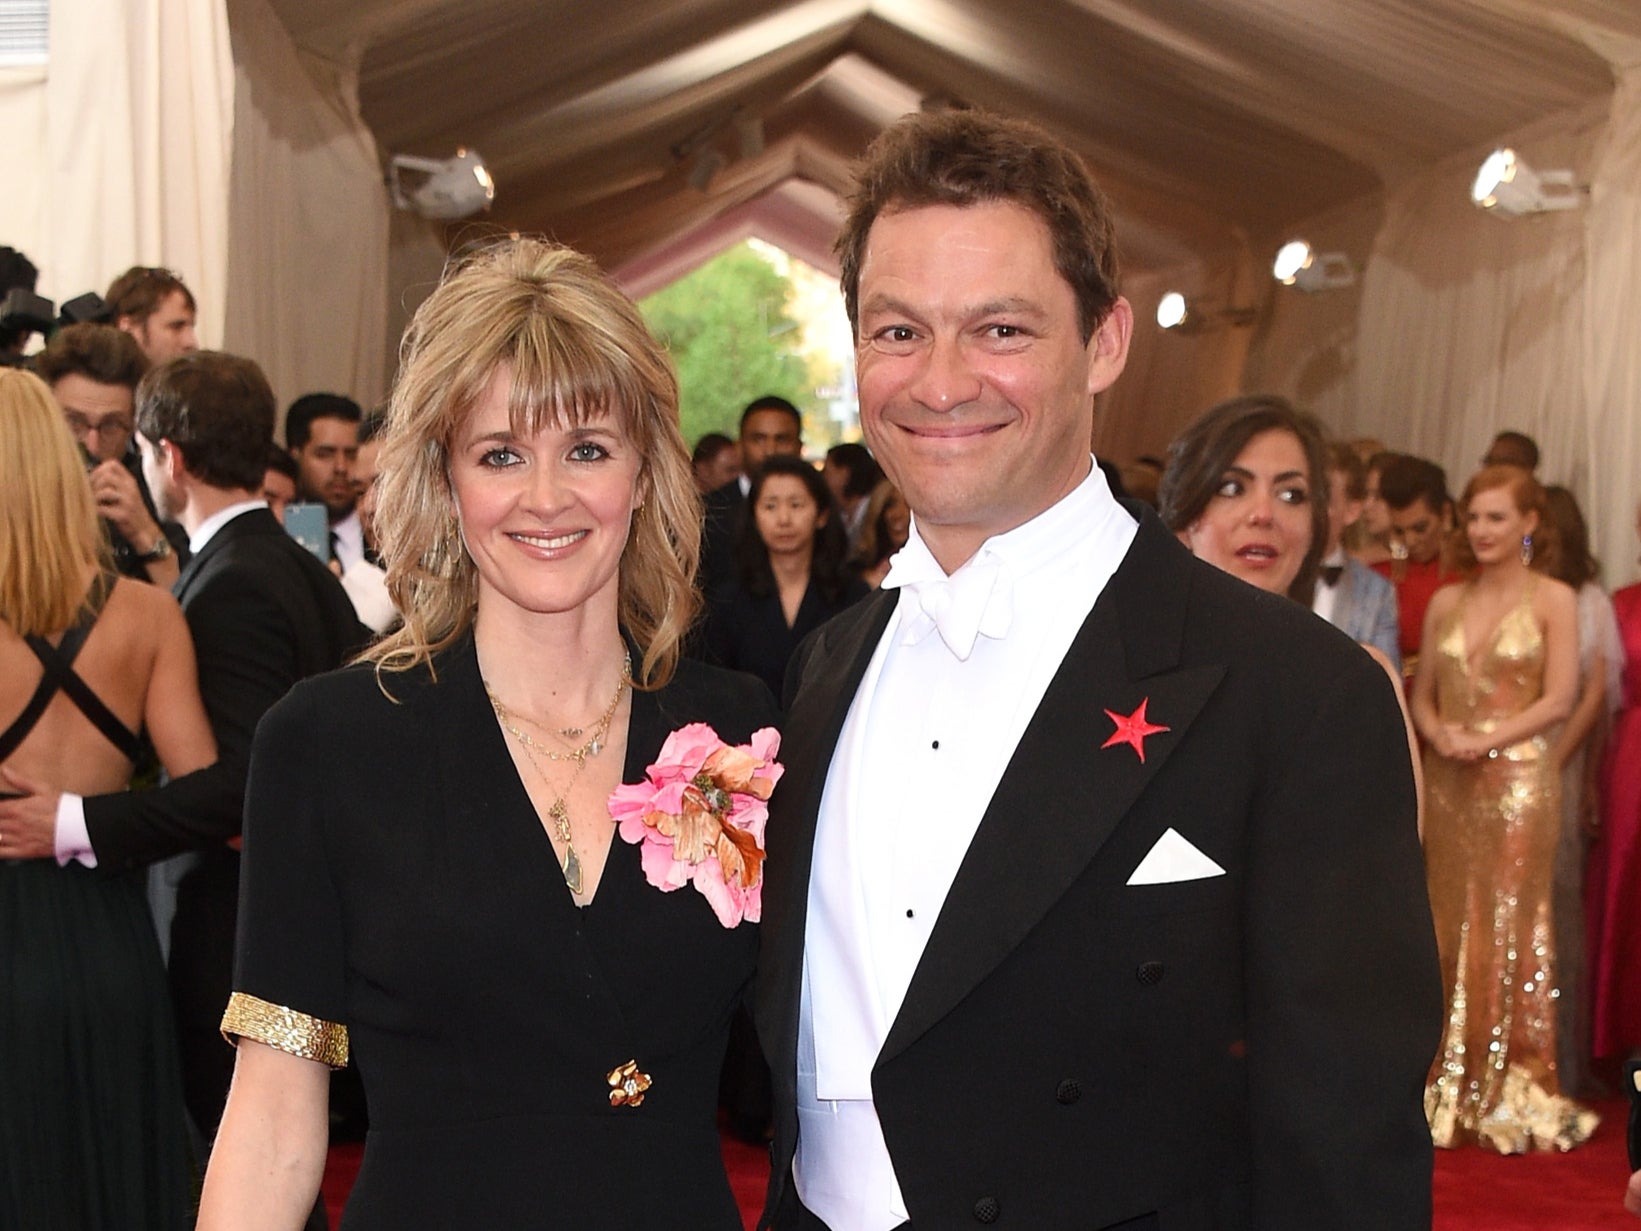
{"x": 723, "y": 510}
{"x": 263, "y": 614}
{"x": 1245, "y": 1051}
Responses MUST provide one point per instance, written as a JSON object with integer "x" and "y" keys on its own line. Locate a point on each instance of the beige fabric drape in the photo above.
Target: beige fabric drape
{"x": 1612, "y": 341}
{"x": 23, "y": 203}
{"x": 309, "y": 216}
{"x": 130, "y": 137}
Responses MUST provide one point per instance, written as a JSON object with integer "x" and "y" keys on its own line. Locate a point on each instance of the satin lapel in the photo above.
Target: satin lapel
{"x": 191, "y": 571}
{"x": 832, "y": 672}
{"x": 1063, "y": 794}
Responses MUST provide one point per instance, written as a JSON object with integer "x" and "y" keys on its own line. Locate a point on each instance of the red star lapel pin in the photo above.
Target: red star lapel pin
{"x": 1132, "y": 729}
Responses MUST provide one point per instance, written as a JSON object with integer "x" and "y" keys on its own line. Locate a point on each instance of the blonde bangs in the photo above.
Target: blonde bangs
{"x": 577, "y": 350}
{"x": 50, "y": 538}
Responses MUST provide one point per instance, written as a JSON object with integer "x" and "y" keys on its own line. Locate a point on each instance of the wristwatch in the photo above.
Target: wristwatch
{"x": 161, "y": 550}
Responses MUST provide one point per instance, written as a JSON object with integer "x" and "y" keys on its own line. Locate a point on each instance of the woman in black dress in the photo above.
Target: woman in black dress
{"x": 93, "y": 1134}
{"x": 791, "y": 577}
{"x": 432, "y": 876}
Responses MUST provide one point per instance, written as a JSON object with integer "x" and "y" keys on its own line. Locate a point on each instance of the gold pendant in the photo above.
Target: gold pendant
{"x": 572, "y": 870}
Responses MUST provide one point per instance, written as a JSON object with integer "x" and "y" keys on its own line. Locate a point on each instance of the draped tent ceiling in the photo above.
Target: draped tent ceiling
{"x": 1212, "y": 123}
{"x": 244, "y": 141}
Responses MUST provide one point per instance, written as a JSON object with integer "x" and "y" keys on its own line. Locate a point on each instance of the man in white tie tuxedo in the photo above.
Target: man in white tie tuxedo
{"x": 1094, "y": 895}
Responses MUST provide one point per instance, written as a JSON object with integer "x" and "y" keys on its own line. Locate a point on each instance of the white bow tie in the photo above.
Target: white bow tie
{"x": 976, "y": 599}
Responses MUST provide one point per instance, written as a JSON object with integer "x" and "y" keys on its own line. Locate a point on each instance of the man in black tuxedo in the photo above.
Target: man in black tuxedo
{"x": 769, "y": 425}
{"x": 1095, "y": 898}
{"x": 263, "y": 613}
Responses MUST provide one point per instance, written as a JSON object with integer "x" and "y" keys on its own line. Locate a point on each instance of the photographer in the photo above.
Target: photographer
{"x": 17, "y": 273}
{"x": 93, "y": 372}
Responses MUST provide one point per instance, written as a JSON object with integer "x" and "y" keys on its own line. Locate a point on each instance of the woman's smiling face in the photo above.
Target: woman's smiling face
{"x": 546, "y": 517}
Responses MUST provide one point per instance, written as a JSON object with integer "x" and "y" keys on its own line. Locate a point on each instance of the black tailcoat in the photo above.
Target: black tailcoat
{"x": 1242, "y": 1051}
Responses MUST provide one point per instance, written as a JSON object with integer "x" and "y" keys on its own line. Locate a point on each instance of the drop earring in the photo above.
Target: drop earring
{"x": 1527, "y": 549}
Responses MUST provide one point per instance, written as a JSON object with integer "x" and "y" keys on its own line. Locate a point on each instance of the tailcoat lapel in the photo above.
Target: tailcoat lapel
{"x": 1062, "y": 793}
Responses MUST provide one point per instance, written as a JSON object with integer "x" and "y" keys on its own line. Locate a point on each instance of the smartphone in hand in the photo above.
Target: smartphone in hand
{"x": 309, "y": 525}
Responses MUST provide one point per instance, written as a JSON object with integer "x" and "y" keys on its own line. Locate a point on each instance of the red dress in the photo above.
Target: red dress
{"x": 1613, "y": 885}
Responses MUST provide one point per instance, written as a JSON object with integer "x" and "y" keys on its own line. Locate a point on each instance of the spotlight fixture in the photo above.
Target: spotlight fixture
{"x": 1174, "y": 313}
{"x": 1507, "y": 186}
{"x": 708, "y": 162}
{"x": 1171, "y": 310}
{"x": 1298, "y": 264}
{"x": 453, "y": 187}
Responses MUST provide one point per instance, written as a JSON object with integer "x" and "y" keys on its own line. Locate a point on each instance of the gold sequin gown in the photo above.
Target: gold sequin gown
{"x": 1490, "y": 837}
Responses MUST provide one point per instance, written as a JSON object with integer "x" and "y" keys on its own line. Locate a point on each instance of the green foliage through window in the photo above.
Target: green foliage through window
{"x": 728, "y": 330}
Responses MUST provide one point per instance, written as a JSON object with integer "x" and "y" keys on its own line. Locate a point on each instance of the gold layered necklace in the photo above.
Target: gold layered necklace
{"x": 597, "y": 736}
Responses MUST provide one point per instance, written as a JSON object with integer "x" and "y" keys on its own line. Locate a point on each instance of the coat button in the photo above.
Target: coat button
{"x": 986, "y": 1209}
{"x": 1069, "y": 1091}
{"x": 1149, "y": 973}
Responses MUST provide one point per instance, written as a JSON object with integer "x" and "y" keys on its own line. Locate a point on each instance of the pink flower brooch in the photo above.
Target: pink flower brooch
{"x": 699, "y": 816}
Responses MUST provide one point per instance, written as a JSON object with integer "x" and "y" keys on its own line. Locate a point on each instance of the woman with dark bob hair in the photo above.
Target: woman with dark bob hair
{"x": 791, "y": 577}
{"x": 432, "y": 879}
{"x": 1246, "y": 489}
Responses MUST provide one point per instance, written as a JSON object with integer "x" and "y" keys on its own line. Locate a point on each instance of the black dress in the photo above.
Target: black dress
{"x": 749, "y": 632}
{"x": 398, "y": 883}
{"x": 92, "y": 1129}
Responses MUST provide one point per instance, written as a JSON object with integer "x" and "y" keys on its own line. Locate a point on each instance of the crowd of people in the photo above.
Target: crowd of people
{"x": 1100, "y": 874}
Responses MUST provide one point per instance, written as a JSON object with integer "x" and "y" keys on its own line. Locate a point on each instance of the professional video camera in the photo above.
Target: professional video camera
{"x": 25, "y": 312}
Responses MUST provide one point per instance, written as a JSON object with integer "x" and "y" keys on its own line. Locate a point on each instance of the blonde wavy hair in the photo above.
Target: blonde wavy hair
{"x": 578, "y": 350}
{"x": 50, "y": 538}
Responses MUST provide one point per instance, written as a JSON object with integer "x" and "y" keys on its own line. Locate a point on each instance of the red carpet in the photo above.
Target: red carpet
{"x": 1475, "y": 1190}
{"x": 1579, "y": 1191}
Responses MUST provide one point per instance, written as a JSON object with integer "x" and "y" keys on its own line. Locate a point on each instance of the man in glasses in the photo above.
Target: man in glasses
{"x": 93, "y": 372}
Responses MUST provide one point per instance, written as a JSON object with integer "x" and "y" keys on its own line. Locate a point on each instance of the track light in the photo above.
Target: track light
{"x": 1298, "y": 264}
{"x": 1175, "y": 314}
{"x": 454, "y": 187}
{"x": 1507, "y": 186}
{"x": 708, "y": 162}
{"x": 1171, "y": 310}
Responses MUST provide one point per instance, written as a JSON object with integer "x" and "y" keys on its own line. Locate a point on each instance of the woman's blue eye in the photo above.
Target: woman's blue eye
{"x": 587, "y": 451}
{"x": 498, "y": 458}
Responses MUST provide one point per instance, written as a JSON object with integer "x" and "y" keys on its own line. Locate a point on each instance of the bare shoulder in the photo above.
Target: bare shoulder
{"x": 1445, "y": 599}
{"x": 152, "y": 605}
{"x": 1555, "y": 598}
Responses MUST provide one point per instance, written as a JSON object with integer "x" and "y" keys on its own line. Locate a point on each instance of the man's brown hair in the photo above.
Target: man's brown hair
{"x": 101, "y": 353}
{"x": 140, "y": 290}
{"x": 218, "y": 409}
{"x": 974, "y": 158}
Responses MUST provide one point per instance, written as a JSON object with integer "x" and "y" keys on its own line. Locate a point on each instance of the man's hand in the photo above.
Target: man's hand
{"x": 120, "y": 501}
{"x": 28, "y": 823}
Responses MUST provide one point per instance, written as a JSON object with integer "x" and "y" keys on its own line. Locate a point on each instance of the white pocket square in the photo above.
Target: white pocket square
{"x": 1174, "y": 859}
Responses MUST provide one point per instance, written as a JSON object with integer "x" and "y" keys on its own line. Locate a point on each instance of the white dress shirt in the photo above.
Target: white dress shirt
{"x": 70, "y": 837}
{"x": 924, "y": 745}
{"x": 1326, "y": 596}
